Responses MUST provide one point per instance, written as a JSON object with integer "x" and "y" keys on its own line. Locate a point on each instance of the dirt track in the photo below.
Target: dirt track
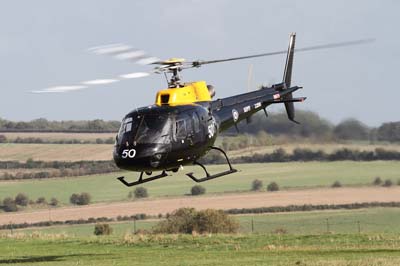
{"x": 226, "y": 201}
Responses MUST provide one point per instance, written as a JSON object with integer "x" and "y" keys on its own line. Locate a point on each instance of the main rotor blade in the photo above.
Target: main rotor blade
{"x": 122, "y": 51}
{"x": 88, "y": 83}
{"x": 309, "y": 48}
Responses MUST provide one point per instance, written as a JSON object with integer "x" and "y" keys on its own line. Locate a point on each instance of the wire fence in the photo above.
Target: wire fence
{"x": 326, "y": 225}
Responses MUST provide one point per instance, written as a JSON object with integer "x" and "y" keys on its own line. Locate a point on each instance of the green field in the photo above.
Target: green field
{"x": 328, "y": 249}
{"x": 287, "y": 175}
{"x": 371, "y": 220}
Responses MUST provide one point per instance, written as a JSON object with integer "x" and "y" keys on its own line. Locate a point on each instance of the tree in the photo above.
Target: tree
{"x": 351, "y": 129}
{"x": 256, "y": 185}
{"x": 9, "y": 205}
{"x": 102, "y": 229}
{"x": 273, "y": 186}
{"x": 197, "y": 190}
{"x": 21, "y": 199}
{"x": 389, "y": 132}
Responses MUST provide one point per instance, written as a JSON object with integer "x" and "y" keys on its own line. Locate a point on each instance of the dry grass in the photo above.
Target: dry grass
{"x": 58, "y": 136}
{"x": 55, "y": 152}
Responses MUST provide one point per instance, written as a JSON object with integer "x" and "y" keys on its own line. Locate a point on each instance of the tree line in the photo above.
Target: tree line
{"x": 304, "y": 155}
{"x": 57, "y": 169}
{"x": 312, "y": 126}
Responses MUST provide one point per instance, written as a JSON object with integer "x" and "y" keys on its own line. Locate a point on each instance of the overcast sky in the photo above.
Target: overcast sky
{"x": 44, "y": 43}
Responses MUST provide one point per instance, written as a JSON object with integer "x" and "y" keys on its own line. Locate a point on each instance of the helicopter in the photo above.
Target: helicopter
{"x": 183, "y": 124}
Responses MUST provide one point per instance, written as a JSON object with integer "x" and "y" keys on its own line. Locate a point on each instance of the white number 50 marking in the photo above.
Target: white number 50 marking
{"x": 128, "y": 153}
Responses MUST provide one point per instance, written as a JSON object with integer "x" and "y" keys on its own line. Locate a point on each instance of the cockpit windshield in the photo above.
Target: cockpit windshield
{"x": 146, "y": 129}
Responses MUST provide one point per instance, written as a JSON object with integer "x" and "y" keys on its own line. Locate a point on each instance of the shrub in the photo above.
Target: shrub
{"x": 9, "y": 205}
{"x": 21, "y": 199}
{"x": 140, "y": 192}
{"x": 85, "y": 199}
{"x": 80, "y": 199}
{"x": 336, "y": 184}
{"x": 197, "y": 190}
{"x": 102, "y": 229}
{"x": 398, "y": 182}
{"x": 188, "y": 220}
{"x": 280, "y": 231}
{"x": 54, "y": 202}
{"x": 74, "y": 199}
{"x": 377, "y": 181}
{"x": 41, "y": 200}
{"x": 387, "y": 183}
{"x": 273, "y": 186}
{"x": 256, "y": 185}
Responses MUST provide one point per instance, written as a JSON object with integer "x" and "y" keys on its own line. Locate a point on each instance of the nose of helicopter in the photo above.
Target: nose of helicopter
{"x": 143, "y": 157}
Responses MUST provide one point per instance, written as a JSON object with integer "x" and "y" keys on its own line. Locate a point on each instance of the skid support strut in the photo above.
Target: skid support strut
{"x": 208, "y": 176}
{"x": 141, "y": 180}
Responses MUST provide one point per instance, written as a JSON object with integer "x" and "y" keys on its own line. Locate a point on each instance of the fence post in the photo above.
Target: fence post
{"x": 327, "y": 225}
{"x": 252, "y": 225}
{"x": 11, "y": 227}
{"x": 359, "y": 227}
{"x": 134, "y": 225}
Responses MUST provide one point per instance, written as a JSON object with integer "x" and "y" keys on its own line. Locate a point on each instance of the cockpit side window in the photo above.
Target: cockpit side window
{"x": 180, "y": 129}
{"x": 196, "y": 122}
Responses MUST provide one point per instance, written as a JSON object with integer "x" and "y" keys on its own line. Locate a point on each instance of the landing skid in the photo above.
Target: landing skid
{"x": 141, "y": 180}
{"x": 208, "y": 176}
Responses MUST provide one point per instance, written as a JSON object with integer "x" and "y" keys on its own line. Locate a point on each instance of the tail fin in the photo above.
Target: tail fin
{"x": 287, "y": 77}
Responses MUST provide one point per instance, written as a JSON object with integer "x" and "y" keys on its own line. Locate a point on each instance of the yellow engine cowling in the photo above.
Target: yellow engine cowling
{"x": 189, "y": 93}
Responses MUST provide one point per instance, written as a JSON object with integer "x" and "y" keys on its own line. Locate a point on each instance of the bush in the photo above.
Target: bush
{"x": 102, "y": 229}
{"x": 80, "y": 199}
{"x": 74, "y": 199}
{"x": 256, "y": 185}
{"x": 85, "y": 198}
{"x": 377, "y": 181}
{"x": 21, "y": 199}
{"x": 197, "y": 190}
{"x": 387, "y": 183}
{"x": 54, "y": 202}
{"x": 398, "y": 182}
{"x": 9, "y": 205}
{"x": 336, "y": 184}
{"x": 139, "y": 192}
{"x": 273, "y": 186}
{"x": 41, "y": 200}
{"x": 188, "y": 220}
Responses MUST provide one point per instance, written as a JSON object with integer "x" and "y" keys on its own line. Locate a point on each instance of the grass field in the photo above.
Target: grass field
{"x": 332, "y": 250}
{"x": 371, "y": 220}
{"x": 76, "y": 152}
{"x": 287, "y": 175}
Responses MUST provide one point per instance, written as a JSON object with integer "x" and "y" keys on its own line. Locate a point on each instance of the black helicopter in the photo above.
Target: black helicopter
{"x": 183, "y": 124}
